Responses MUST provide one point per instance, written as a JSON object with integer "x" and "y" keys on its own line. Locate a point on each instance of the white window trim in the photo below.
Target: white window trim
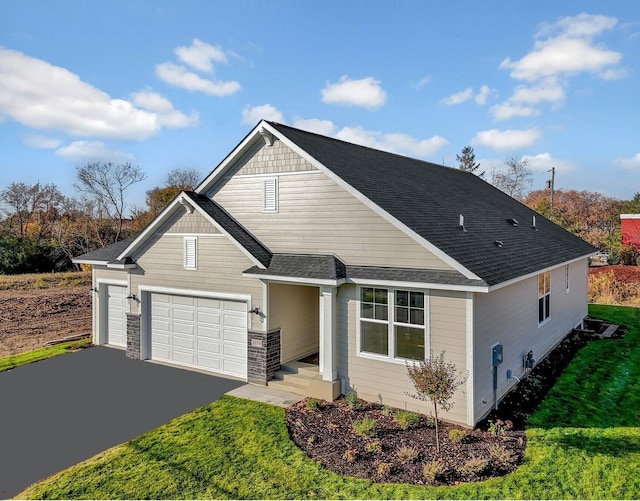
{"x": 548, "y": 315}
{"x": 271, "y": 209}
{"x": 187, "y": 265}
{"x": 390, "y": 322}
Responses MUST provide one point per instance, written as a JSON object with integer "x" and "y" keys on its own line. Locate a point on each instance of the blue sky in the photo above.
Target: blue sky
{"x": 178, "y": 84}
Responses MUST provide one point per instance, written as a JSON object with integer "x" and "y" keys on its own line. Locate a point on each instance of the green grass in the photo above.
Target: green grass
{"x": 583, "y": 442}
{"x": 13, "y": 361}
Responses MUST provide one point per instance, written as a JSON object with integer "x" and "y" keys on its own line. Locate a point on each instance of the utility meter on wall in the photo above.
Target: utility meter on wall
{"x": 496, "y": 352}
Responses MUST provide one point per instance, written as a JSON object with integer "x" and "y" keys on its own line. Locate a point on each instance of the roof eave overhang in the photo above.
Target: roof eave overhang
{"x": 122, "y": 266}
{"x": 92, "y": 262}
{"x": 537, "y": 272}
{"x": 419, "y": 285}
{"x": 295, "y": 280}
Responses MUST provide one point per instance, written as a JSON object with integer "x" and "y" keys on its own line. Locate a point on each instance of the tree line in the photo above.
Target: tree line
{"x": 41, "y": 229}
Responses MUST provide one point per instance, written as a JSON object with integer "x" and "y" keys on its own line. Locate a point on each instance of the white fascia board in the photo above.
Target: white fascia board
{"x": 294, "y": 280}
{"x": 373, "y": 206}
{"x": 418, "y": 285}
{"x": 92, "y": 262}
{"x": 230, "y": 159}
{"x": 629, "y": 216}
{"x": 149, "y": 231}
{"x": 122, "y": 266}
{"x": 536, "y": 273}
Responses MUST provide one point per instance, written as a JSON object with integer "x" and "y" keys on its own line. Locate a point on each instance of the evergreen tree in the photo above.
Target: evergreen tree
{"x": 467, "y": 161}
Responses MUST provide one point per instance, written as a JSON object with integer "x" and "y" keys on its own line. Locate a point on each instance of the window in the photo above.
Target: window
{"x": 190, "y": 253}
{"x": 270, "y": 195}
{"x": 398, "y": 332}
{"x": 567, "y": 278}
{"x": 544, "y": 296}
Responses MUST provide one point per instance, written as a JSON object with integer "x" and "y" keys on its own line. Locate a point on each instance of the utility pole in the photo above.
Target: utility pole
{"x": 551, "y": 184}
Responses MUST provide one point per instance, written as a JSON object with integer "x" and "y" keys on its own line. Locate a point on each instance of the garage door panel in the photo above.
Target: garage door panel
{"x": 208, "y": 318}
{"x": 184, "y": 357}
{"x": 116, "y": 323}
{"x": 208, "y": 347}
{"x": 234, "y": 351}
{"x": 208, "y": 333}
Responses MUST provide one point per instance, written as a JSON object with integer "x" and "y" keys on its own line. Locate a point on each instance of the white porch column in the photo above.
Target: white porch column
{"x": 328, "y": 342}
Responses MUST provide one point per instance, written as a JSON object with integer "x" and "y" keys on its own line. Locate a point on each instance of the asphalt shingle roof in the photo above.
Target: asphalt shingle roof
{"x": 321, "y": 267}
{"x": 107, "y": 254}
{"x": 430, "y": 198}
{"x": 238, "y": 232}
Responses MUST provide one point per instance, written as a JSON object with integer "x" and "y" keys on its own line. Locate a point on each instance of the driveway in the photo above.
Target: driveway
{"x": 58, "y": 412}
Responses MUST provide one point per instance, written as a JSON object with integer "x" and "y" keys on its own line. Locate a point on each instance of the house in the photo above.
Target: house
{"x": 298, "y": 244}
{"x": 630, "y": 229}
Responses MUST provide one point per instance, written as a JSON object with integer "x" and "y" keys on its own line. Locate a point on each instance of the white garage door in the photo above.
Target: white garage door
{"x": 210, "y": 334}
{"x": 116, "y": 329}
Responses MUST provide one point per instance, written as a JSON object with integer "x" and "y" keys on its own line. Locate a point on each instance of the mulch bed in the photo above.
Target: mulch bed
{"x": 325, "y": 431}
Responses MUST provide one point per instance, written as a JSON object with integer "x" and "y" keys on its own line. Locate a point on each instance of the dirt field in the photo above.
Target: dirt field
{"x": 35, "y": 309}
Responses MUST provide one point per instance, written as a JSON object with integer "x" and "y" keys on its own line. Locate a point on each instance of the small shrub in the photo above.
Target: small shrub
{"x": 350, "y": 455}
{"x": 456, "y": 435}
{"x": 431, "y": 422}
{"x": 407, "y": 455}
{"x": 432, "y": 470}
{"x": 475, "y": 466}
{"x": 406, "y": 419}
{"x": 499, "y": 427}
{"x": 365, "y": 426}
{"x": 353, "y": 401}
{"x": 313, "y": 404}
{"x": 501, "y": 455}
{"x": 386, "y": 410}
{"x": 383, "y": 469}
{"x": 374, "y": 446}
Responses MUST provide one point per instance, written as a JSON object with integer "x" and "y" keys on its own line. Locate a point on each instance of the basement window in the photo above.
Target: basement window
{"x": 544, "y": 296}
{"x": 190, "y": 253}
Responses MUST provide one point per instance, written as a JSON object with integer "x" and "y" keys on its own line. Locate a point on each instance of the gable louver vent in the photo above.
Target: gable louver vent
{"x": 270, "y": 200}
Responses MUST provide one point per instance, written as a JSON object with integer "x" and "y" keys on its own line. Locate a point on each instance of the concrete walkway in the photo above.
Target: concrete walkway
{"x": 266, "y": 394}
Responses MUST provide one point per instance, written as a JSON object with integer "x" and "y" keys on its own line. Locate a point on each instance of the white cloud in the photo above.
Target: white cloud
{"x": 393, "y": 142}
{"x": 324, "y": 127}
{"x": 167, "y": 114}
{"x": 41, "y": 142}
{"x": 200, "y": 55}
{"x": 505, "y": 111}
{"x": 546, "y": 90}
{"x": 179, "y": 76}
{"x": 422, "y": 83}
{"x": 569, "y": 49}
{"x": 458, "y": 97}
{"x": 632, "y": 163}
{"x": 506, "y": 139}
{"x": 42, "y": 96}
{"x": 543, "y": 162}
{"x": 86, "y": 151}
{"x": 481, "y": 97}
{"x": 366, "y": 93}
{"x": 252, "y": 115}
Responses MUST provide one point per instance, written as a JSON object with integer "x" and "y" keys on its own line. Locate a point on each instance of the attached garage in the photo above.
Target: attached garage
{"x": 201, "y": 332}
{"x": 116, "y": 308}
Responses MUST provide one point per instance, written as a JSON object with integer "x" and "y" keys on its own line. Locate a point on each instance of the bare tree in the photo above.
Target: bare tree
{"x": 185, "y": 179}
{"x": 32, "y": 208}
{"x": 467, "y": 161}
{"x": 107, "y": 184}
{"x": 516, "y": 179}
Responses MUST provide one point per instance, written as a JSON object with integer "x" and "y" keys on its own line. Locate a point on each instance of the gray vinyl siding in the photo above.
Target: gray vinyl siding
{"x": 317, "y": 216}
{"x": 376, "y": 380}
{"x": 510, "y": 316}
{"x": 183, "y": 222}
{"x": 220, "y": 267}
{"x": 295, "y": 310}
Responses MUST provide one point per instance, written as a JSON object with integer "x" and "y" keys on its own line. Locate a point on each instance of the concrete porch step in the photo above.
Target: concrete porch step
{"x": 305, "y": 379}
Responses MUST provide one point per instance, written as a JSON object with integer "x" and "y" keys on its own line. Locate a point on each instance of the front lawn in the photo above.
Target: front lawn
{"x": 12, "y": 361}
{"x": 583, "y": 442}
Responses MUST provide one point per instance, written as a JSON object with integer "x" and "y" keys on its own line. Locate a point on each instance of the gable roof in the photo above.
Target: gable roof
{"x": 105, "y": 255}
{"x": 428, "y": 199}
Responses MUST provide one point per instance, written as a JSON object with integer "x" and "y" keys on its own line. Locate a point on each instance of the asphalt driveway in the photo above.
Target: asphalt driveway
{"x": 58, "y": 412}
